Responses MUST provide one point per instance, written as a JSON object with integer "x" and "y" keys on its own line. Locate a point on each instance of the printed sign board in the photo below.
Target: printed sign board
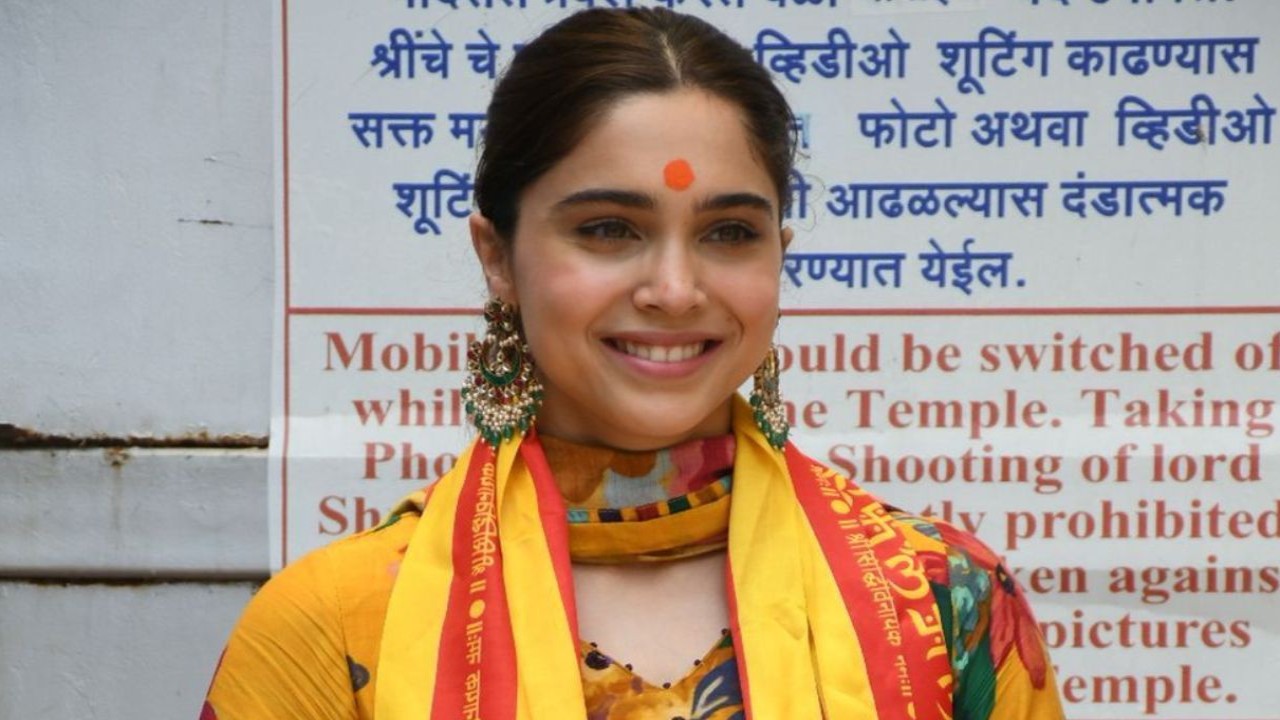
{"x": 1031, "y": 291}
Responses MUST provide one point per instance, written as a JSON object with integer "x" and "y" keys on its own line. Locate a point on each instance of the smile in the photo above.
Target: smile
{"x": 661, "y": 353}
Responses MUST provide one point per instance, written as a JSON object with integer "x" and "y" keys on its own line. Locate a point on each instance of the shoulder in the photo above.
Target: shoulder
{"x": 998, "y": 654}
{"x": 344, "y": 574}
{"x": 309, "y": 637}
{"x": 1000, "y": 668}
{"x": 942, "y": 548}
{"x": 962, "y": 551}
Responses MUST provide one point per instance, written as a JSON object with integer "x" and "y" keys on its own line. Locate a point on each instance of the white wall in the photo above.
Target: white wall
{"x": 135, "y": 291}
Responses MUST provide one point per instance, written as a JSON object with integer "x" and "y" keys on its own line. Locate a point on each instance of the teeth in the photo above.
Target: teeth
{"x": 662, "y": 353}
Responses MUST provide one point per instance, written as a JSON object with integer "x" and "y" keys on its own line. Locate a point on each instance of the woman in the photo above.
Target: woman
{"x": 630, "y": 200}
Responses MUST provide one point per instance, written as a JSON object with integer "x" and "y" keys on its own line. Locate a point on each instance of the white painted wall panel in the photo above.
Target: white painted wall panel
{"x": 134, "y": 513}
{"x": 135, "y": 216}
{"x": 135, "y": 299}
{"x": 101, "y": 652}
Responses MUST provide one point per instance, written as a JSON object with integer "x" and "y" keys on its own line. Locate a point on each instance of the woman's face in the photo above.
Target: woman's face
{"x": 646, "y": 268}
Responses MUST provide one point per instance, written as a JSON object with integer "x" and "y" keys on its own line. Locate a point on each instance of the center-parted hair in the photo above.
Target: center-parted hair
{"x": 566, "y": 80}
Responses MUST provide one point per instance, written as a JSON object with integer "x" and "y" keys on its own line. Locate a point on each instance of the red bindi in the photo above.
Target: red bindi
{"x": 677, "y": 174}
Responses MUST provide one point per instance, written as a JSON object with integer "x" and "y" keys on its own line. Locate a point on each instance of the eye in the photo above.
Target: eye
{"x": 609, "y": 229}
{"x": 732, "y": 233}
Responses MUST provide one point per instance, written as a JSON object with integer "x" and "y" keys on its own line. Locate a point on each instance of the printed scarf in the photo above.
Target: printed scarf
{"x": 831, "y": 613}
{"x": 627, "y": 507}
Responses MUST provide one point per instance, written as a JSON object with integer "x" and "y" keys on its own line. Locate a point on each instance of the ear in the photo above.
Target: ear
{"x": 787, "y": 234}
{"x": 494, "y": 257}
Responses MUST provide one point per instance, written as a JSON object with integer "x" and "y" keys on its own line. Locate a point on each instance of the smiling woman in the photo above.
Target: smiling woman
{"x": 622, "y": 501}
{"x": 645, "y": 306}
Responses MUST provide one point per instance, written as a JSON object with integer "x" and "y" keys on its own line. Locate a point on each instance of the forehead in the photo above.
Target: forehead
{"x": 632, "y": 143}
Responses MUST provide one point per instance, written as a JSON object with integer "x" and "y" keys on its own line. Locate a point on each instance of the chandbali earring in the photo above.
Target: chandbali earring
{"x": 500, "y": 392}
{"x": 770, "y": 413}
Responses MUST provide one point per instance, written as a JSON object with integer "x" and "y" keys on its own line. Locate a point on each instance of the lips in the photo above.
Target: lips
{"x": 661, "y": 353}
{"x": 658, "y": 349}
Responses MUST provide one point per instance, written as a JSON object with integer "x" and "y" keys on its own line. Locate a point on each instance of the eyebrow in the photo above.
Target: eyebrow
{"x": 603, "y": 195}
{"x": 642, "y": 201}
{"x": 735, "y": 200}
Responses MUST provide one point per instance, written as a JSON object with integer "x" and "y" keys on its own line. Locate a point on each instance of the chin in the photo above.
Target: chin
{"x": 662, "y": 425}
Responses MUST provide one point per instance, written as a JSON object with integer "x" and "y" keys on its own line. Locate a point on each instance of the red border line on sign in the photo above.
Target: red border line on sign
{"x": 288, "y": 297}
{"x": 1036, "y": 311}
{"x": 862, "y": 312}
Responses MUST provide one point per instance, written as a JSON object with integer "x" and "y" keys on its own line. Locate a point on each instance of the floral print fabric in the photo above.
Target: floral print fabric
{"x": 709, "y": 692}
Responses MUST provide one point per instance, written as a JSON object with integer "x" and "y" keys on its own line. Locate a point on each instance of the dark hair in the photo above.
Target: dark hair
{"x": 576, "y": 70}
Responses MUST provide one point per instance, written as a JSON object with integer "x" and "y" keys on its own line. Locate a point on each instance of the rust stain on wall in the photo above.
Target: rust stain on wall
{"x": 15, "y": 437}
{"x": 116, "y": 456}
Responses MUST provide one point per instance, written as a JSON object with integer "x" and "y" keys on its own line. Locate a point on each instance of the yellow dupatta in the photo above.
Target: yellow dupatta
{"x": 828, "y": 614}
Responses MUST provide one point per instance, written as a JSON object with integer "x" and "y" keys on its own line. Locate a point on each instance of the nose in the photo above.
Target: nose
{"x": 671, "y": 279}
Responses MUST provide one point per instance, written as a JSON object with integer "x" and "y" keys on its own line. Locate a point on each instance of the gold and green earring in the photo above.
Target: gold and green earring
{"x": 501, "y": 393}
{"x": 769, "y": 411}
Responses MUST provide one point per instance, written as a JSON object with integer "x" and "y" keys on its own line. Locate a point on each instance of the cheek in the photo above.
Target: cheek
{"x": 561, "y": 307}
{"x": 756, "y": 302}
